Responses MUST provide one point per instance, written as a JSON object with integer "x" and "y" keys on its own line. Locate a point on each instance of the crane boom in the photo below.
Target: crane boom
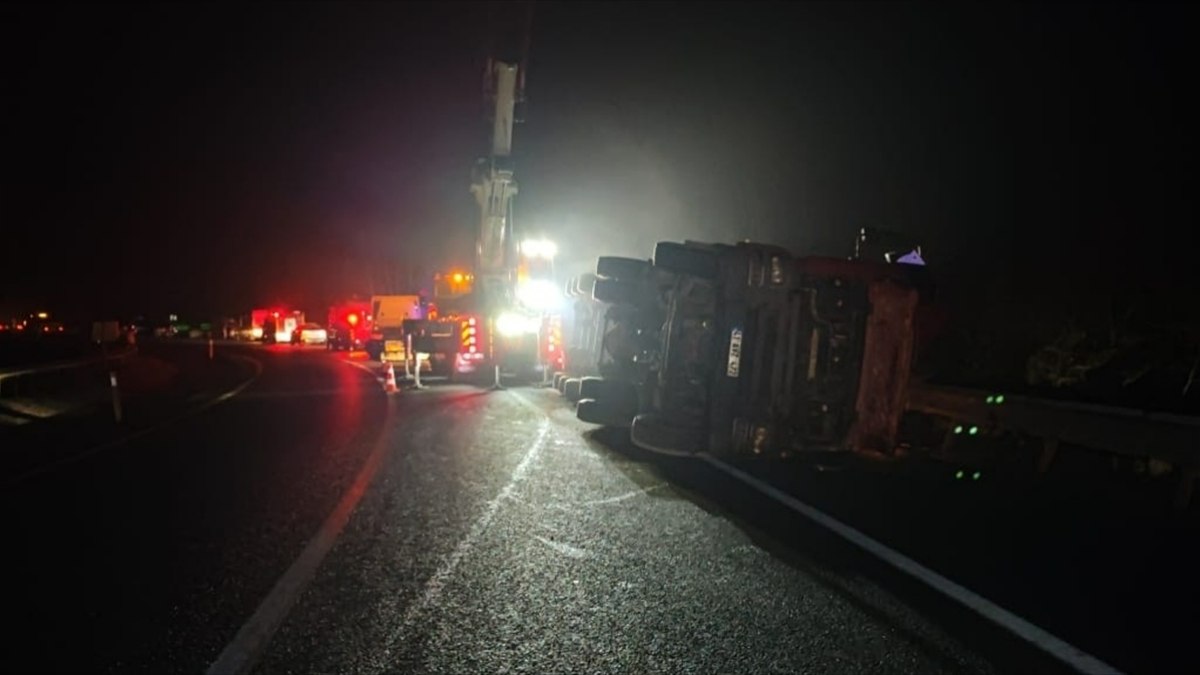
{"x": 494, "y": 187}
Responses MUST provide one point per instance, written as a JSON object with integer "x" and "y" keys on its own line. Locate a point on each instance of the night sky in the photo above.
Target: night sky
{"x": 210, "y": 158}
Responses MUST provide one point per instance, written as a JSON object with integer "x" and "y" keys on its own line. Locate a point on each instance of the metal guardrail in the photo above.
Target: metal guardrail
{"x": 14, "y": 373}
{"x": 1121, "y": 431}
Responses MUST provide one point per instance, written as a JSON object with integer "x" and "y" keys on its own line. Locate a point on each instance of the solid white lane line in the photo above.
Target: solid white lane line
{"x": 240, "y": 655}
{"x": 1034, "y": 635}
{"x": 54, "y": 466}
{"x": 367, "y": 369}
{"x": 433, "y": 587}
{"x": 565, "y": 549}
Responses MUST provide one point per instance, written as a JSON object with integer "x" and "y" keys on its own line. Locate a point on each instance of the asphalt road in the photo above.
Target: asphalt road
{"x": 313, "y": 524}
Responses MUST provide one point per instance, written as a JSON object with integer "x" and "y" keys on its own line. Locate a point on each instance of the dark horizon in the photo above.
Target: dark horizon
{"x": 185, "y": 158}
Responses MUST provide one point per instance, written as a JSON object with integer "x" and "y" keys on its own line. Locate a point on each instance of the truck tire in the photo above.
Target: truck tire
{"x": 605, "y": 389}
{"x": 650, "y": 432}
{"x": 571, "y": 389}
{"x": 589, "y": 387}
{"x": 607, "y": 413}
{"x": 675, "y": 257}
{"x": 615, "y": 292}
{"x": 622, "y": 269}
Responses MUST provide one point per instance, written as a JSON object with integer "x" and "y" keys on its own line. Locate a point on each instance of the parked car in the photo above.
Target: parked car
{"x": 309, "y": 334}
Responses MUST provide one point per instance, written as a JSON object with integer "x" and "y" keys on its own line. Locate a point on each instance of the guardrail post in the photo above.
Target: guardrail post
{"x": 1049, "y": 450}
{"x": 947, "y": 441}
{"x": 1187, "y": 483}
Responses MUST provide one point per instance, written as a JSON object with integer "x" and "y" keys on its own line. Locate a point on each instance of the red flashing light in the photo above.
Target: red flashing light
{"x": 352, "y": 319}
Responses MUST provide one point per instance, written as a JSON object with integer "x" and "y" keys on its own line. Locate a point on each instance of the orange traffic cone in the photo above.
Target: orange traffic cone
{"x": 389, "y": 384}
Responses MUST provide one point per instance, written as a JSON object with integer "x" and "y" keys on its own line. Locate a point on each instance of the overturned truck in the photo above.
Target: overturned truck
{"x": 744, "y": 349}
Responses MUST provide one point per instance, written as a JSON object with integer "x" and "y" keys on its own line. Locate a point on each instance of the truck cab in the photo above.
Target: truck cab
{"x": 388, "y": 316}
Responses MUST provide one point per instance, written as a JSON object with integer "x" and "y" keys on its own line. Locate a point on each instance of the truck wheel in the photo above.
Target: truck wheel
{"x": 589, "y": 387}
{"x": 607, "y": 412}
{"x": 674, "y": 257}
{"x": 650, "y": 432}
{"x": 622, "y": 269}
{"x": 571, "y": 389}
{"x": 615, "y": 292}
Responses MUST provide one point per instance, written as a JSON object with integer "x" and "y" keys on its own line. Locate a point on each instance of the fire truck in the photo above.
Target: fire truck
{"x": 274, "y": 324}
{"x": 519, "y": 341}
{"x": 348, "y": 326}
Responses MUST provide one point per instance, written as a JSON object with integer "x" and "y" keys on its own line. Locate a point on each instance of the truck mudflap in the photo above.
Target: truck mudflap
{"x": 887, "y": 362}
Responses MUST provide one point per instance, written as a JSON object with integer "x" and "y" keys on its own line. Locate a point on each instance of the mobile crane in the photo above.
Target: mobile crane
{"x": 507, "y": 322}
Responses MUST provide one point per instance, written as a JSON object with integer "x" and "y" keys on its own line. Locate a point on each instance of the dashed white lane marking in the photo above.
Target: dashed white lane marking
{"x": 54, "y": 466}
{"x": 1034, "y": 635}
{"x": 240, "y": 655}
{"x": 621, "y": 498}
{"x": 565, "y": 549}
{"x": 433, "y": 587}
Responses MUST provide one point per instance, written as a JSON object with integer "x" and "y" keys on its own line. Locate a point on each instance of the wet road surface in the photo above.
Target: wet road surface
{"x": 478, "y": 532}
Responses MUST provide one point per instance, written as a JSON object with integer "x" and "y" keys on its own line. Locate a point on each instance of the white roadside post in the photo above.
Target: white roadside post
{"x": 495, "y": 360}
{"x": 116, "y": 394}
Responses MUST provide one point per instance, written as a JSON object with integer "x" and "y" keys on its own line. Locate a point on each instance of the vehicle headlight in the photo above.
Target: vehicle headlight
{"x": 512, "y": 325}
{"x": 539, "y": 294}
